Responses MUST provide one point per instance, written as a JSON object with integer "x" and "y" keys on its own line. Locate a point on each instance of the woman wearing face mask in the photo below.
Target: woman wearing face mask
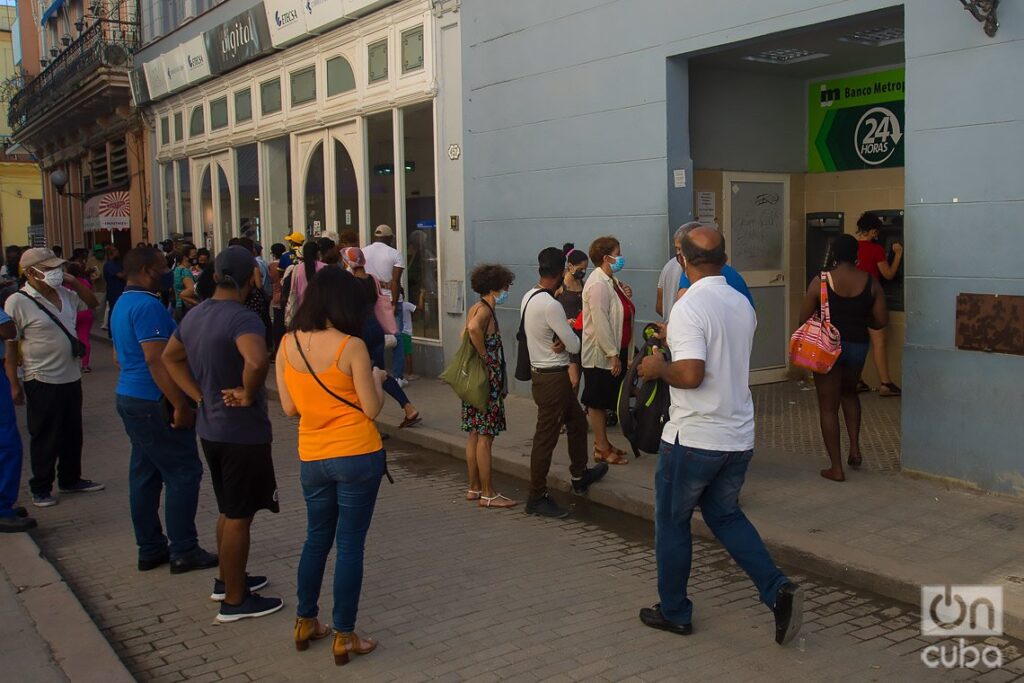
{"x": 491, "y": 282}
{"x": 570, "y": 295}
{"x": 184, "y": 286}
{"x": 608, "y": 314}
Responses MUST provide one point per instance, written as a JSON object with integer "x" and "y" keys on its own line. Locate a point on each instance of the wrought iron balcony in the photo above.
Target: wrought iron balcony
{"x": 108, "y": 43}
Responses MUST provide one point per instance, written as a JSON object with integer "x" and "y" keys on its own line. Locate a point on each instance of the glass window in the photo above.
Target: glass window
{"x": 277, "y": 179}
{"x": 196, "y": 124}
{"x": 270, "y": 96}
{"x": 206, "y": 209}
{"x": 224, "y": 208}
{"x": 219, "y": 113}
{"x": 165, "y": 131}
{"x": 179, "y": 127}
{"x": 381, "y": 152}
{"x": 421, "y": 220}
{"x": 185, "y": 190}
{"x": 339, "y": 76}
{"x": 347, "y": 189}
{"x": 170, "y": 200}
{"x": 377, "y": 61}
{"x": 303, "y": 86}
{"x": 316, "y": 203}
{"x": 412, "y": 49}
{"x": 247, "y": 163}
{"x": 243, "y": 105}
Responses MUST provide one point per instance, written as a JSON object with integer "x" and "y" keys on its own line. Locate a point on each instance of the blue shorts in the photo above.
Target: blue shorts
{"x": 854, "y": 355}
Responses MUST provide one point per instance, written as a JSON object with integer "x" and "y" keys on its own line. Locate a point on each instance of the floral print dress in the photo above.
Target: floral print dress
{"x": 490, "y": 422}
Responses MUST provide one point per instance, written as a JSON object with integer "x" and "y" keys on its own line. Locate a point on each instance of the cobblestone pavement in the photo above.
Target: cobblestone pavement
{"x": 455, "y": 592}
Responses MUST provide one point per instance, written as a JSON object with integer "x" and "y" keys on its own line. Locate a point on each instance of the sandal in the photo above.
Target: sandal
{"x": 473, "y": 495}
{"x": 610, "y": 456}
{"x": 863, "y": 388}
{"x": 497, "y": 501}
{"x": 855, "y": 463}
{"x": 889, "y": 389}
{"x": 410, "y": 421}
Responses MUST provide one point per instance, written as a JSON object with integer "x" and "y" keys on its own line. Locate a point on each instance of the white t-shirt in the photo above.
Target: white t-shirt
{"x": 668, "y": 283}
{"x": 407, "y": 309}
{"x": 45, "y": 349}
{"x": 380, "y": 260}
{"x": 545, "y": 319}
{"x": 716, "y": 324}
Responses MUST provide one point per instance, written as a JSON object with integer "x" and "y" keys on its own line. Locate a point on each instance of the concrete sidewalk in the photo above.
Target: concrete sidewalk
{"x": 879, "y": 530}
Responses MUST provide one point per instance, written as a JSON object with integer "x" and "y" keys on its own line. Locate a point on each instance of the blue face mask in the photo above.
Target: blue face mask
{"x": 618, "y": 264}
{"x": 502, "y": 298}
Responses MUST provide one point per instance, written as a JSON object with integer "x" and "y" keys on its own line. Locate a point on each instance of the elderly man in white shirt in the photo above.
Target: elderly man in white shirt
{"x": 384, "y": 262}
{"x": 708, "y": 442}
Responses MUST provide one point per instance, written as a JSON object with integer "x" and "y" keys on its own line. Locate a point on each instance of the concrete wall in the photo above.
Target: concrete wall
{"x": 965, "y": 140}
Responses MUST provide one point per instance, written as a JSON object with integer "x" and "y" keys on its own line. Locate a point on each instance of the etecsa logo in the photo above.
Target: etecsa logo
{"x": 961, "y": 611}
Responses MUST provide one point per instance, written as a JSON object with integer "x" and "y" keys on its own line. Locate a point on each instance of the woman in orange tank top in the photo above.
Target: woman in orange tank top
{"x": 325, "y": 376}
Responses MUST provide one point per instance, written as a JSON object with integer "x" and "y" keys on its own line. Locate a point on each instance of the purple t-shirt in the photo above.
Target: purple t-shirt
{"x": 208, "y": 333}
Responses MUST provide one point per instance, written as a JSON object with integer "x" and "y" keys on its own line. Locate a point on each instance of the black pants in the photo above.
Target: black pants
{"x": 54, "y": 413}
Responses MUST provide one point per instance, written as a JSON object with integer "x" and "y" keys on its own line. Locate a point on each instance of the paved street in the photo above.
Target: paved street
{"x": 454, "y": 592}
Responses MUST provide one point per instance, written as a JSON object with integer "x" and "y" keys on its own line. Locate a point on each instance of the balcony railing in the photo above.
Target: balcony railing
{"x": 107, "y": 42}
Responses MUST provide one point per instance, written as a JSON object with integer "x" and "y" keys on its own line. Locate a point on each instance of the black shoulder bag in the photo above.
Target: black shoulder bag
{"x": 295, "y": 335}
{"x": 77, "y": 347}
{"x": 504, "y": 368}
{"x": 523, "y": 369}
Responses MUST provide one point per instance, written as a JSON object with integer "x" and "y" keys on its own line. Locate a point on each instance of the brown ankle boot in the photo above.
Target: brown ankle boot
{"x": 307, "y": 630}
{"x": 346, "y": 643}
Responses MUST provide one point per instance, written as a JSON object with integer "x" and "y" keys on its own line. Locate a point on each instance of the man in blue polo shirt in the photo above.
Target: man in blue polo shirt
{"x": 164, "y": 452}
{"x": 731, "y": 275}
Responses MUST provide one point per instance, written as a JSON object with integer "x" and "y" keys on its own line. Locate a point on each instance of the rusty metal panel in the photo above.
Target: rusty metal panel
{"x": 990, "y": 322}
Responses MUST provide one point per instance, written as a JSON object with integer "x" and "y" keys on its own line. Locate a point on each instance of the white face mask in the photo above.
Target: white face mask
{"x": 53, "y": 278}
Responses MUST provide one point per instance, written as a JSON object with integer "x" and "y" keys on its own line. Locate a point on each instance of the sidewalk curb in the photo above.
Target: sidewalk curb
{"x": 76, "y": 644}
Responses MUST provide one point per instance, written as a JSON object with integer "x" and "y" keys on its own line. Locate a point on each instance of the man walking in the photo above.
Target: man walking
{"x": 218, "y": 357}
{"x": 550, "y": 340}
{"x": 384, "y": 262}
{"x": 164, "y": 453}
{"x": 13, "y": 518}
{"x": 708, "y": 442}
{"x": 45, "y": 313}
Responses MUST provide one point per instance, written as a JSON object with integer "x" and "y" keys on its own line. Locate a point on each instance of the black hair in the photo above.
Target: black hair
{"x": 277, "y": 249}
{"x": 12, "y": 248}
{"x": 202, "y": 251}
{"x": 333, "y": 296}
{"x": 868, "y": 222}
{"x": 79, "y": 253}
{"x": 551, "y": 262}
{"x": 58, "y": 251}
{"x": 140, "y": 258}
{"x": 574, "y": 256}
{"x": 490, "y": 277}
{"x": 698, "y": 256}
{"x": 182, "y": 255}
{"x": 310, "y": 253}
{"x": 844, "y": 249}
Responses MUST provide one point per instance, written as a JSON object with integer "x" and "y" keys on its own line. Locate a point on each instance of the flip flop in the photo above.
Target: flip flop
{"x": 473, "y": 495}
{"x": 497, "y": 501}
{"x": 610, "y": 457}
{"x": 410, "y": 421}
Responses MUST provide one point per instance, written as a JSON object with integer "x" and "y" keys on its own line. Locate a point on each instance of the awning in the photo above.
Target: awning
{"x": 110, "y": 211}
{"x": 51, "y": 10}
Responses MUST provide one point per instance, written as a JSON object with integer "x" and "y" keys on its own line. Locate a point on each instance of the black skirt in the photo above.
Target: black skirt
{"x": 600, "y": 388}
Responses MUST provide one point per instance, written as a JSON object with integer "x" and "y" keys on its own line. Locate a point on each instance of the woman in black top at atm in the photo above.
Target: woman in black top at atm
{"x": 856, "y": 304}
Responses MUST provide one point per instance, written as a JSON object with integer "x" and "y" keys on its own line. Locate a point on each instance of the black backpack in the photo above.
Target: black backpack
{"x": 644, "y": 404}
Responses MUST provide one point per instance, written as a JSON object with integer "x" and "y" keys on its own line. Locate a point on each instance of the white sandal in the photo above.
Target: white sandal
{"x": 486, "y": 502}
{"x": 473, "y": 495}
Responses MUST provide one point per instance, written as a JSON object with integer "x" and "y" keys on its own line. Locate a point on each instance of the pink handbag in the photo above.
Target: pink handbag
{"x": 385, "y": 311}
{"x": 816, "y": 344}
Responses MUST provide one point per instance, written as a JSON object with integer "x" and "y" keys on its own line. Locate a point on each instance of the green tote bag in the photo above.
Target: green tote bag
{"x": 467, "y": 375}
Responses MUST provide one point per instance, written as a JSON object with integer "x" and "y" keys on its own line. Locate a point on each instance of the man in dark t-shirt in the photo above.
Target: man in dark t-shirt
{"x": 219, "y": 358}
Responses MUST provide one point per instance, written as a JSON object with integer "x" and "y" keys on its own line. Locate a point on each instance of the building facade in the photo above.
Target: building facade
{"x": 280, "y": 116}
{"x": 780, "y": 122}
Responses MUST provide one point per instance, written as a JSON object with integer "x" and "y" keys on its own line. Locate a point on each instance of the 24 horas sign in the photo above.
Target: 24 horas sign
{"x": 856, "y": 122}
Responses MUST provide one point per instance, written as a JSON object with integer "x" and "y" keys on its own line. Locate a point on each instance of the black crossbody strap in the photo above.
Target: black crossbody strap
{"x": 74, "y": 340}
{"x": 522, "y": 319}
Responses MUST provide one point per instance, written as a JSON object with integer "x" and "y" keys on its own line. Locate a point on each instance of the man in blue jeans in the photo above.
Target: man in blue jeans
{"x": 708, "y": 442}
{"x": 13, "y": 518}
{"x": 164, "y": 452}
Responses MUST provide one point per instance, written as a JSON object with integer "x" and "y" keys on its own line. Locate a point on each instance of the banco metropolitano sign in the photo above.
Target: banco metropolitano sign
{"x": 856, "y": 122}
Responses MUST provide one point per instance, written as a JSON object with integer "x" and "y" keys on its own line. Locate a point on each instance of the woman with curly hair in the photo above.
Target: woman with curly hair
{"x": 491, "y": 282}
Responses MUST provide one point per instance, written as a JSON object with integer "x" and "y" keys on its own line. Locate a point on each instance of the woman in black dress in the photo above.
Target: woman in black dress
{"x": 570, "y": 295}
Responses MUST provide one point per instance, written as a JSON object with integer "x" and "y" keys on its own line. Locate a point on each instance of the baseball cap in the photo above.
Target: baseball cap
{"x": 383, "y": 231}
{"x": 353, "y": 257}
{"x": 97, "y": 247}
{"x": 296, "y": 238}
{"x": 234, "y": 265}
{"x": 40, "y": 257}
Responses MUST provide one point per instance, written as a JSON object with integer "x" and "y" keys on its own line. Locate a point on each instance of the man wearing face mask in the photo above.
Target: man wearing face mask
{"x": 45, "y": 312}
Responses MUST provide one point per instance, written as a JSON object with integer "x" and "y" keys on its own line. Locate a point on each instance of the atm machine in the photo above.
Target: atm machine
{"x": 821, "y": 228}
{"x": 890, "y": 234}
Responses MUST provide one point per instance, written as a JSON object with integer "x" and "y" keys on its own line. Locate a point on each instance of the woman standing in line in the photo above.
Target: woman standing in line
{"x": 297, "y": 277}
{"x": 491, "y": 282}
{"x": 84, "y": 319}
{"x": 184, "y": 286}
{"x": 570, "y": 295}
{"x": 325, "y": 377}
{"x": 872, "y": 259}
{"x": 608, "y": 313}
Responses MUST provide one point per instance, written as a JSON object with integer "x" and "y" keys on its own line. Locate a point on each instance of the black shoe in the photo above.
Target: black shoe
{"x": 652, "y": 616}
{"x": 591, "y": 476}
{"x": 789, "y": 612}
{"x": 611, "y": 419}
{"x": 83, "y": 486}
{"x": 252, "y": 583}
{"x": 19, "y": 511}
{"x": 197, "y": 559}
{"x": 149, "y": 563}
{"x": 545, "y": 507}
{"x": 13, "y": 525}
{"x": 254, "y": 605}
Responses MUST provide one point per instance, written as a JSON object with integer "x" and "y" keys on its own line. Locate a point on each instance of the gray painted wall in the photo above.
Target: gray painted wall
{"x": 965, "y": 141}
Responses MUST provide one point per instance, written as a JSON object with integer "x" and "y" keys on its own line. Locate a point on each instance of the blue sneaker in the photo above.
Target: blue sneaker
{"x": 83, "y": 486}
{"x": 252, "y": 583}
{"x": 254, "y": 605}
{"x": 45, "y": 500}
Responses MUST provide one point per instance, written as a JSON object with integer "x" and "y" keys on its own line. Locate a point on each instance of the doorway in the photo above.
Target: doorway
{"x": 215, "y": 211}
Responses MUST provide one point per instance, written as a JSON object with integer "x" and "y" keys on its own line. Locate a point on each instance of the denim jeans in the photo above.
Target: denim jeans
{"x": 688, "y": 477}
{"x": 340, "y": 495}
{"x": 10, "y": 450}
{"x": 162, "y": 458}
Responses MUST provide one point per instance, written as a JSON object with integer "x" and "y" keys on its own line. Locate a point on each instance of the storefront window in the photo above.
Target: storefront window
{"x": 243, "y": 105}
{"x": 197, "y": 124}
{"x": 347, "y": 188}
{"x": 219, "y": 113}
{"x": 185, "y": 217}
{"x": 381, "y": 153}
{"x": 303, "y": 86}
{"x": 169, "y": 199}
{"x": 206, "y": 206}
{"x": 270, "y": 96}
{"x": 248, "y": 192}
{"x": 224, "y": 195}
{"x": 340, "y": 78}
{"x": 316, "y": 203}
{"x": 277, "y": 179}
{"x": 421, "y": 219}
{"x": 165, "y": 131}
{"x": 179, "y": 127}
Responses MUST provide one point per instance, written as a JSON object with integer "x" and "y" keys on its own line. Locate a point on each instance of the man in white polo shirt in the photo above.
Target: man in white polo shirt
{"x": 384, "y": 262}
{"x": 44, "y": 311}
{"x": 708, "y": 442}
